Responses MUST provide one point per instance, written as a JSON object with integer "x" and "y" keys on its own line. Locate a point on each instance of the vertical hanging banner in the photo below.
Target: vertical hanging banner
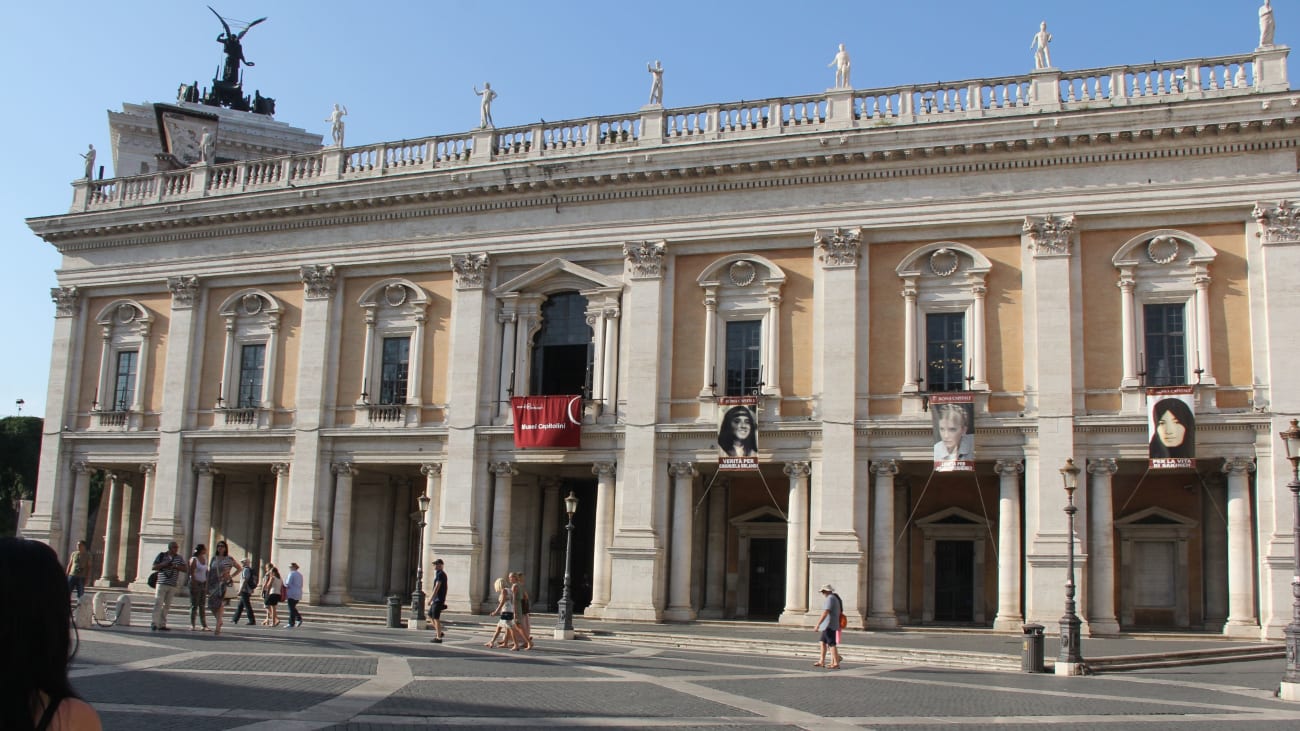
{"x": 547, "y": 422}
{"x": 738, "y": 432}
{"x": 953, "y": 417}
{"x": 1172, "y": 425}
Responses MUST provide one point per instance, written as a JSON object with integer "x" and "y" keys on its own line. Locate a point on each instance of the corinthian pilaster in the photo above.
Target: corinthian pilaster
{"x": 839, "y": 247}
{"x": 1278, "y": 223}
{"x": 185, "y": 291}
{"x": 645, "y": 259}
{"x": 1050, "y": 235}
{"x": 471, "y": 270}
{"x": 317, "y": 280}
{"x": 66, "y": 300}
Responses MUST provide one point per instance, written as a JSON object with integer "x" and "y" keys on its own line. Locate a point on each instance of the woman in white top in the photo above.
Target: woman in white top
{"x": 220, "y": 576}
{"x": 199, "y": 587}
{"x": 272, "y": 591}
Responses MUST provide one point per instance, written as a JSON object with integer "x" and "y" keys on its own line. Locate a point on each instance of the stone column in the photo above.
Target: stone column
{"x": 911, "y": 374}
{"x": 550, "y": 530}
{"x": 77, "y": 529}
{"x": 112, "y": 530}
{"x": 340, "y": 535}
{"x": 432, "y": 472}
{"x": 710, "y": 376}
{"x": 881, "y": 613}
{"x": 1099, "y": 607}
{"x": 460, "y": 544}
{"x": 1204, "y": 354}
{"x": 1242, "y": 621}
{"x": 796, "y": 549}
{"x": 202, "y": 505}
{"x": 635, "y": 576}
{"x": 679, "y": 579}
{"x": 506, "y": 386}
{"x": 835, "y": 553}
{"x": 168, "y": 519}
{"x": 281, "y": 472}
{"x": 1010, "y": 615}
{"x": 1128, "y": 329}
{"x": 47, "y": 522}
{"x": 715, "y": 572}
{"x": 609, "y": 366}
{"x": 600, "y": 564}
{"x": 501, "y": 519}
{"x": 979, "y": 354}
{"x": 1052, "y": 297}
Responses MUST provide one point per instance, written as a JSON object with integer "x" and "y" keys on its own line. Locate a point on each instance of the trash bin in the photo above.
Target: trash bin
{"x": 1031, "y": 655}
{"x": 395, "y": 617}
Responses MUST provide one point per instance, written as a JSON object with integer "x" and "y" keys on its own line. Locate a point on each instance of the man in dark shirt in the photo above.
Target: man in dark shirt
{"x": 438, "y": 599}
{"x": 247, "y": 584}
{"x": 168, "y": 565}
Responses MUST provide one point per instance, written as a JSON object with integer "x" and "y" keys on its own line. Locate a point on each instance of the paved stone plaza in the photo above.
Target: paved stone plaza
{"x": 338, "y": 677}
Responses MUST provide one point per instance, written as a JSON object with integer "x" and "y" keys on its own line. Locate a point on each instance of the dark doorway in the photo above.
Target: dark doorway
{"x": 766, "y": 577}
{"x": 584, "y": 547}
{"x": 562, "y": 347}
{"x": 954, "y": 581}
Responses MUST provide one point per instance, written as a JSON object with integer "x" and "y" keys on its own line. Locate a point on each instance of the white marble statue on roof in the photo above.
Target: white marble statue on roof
{"x": 1042, "y": 56}
{"x": 485, "y": 105}
{"x": 1266, "y": 25}
{"x": 842, "y": 67}
{"x": 336, "y": 123}
{"x": 89, "y": 157}
{"x": 656, "y": 83}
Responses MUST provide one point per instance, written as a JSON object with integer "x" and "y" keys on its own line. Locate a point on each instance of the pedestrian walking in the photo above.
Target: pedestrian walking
{"x": 221, "y": 571}
{"x": 437, "y": 599}
{"x": 199, "y": 587}
{"x": 523, "y": 625}
{"x": 168, "y": 564}
{"x": 272, "y": 591}
{"x": 828, "y": 625}
{"x": 79, "y": 569}
{"x": 35, "y": 644}
{"x": 247, "y": 584}
{"x": 505, "y": 608}
{"x": 293, "y": 595}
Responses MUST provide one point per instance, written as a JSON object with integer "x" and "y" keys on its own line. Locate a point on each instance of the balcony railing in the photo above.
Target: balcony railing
{"x": 1048, "y": 90}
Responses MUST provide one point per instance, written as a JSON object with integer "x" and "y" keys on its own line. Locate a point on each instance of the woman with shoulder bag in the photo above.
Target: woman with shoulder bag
{"x": 272, "y": 590}
{"x": 220, "y": 577}
{"x": 199, "y": 587}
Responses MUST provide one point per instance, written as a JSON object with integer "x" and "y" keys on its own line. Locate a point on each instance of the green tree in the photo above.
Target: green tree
{"x": 20, "y": 454}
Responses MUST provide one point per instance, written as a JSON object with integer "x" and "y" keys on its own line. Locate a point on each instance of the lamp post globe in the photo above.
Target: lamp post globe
{"x": 1290, "y": 686}
{"x": 1070, "y": 660}
{"x": 564, "y": 618}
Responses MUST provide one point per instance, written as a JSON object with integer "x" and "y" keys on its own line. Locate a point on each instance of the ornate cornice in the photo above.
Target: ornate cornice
{"x": 645, "y": 259}
{"x": 185, "y": 291}
{"x": 839, "y": 248}
{"x": 66, "y": 301}
{"x": 1278, "y": 223}
{"x": 317, "y": 280}
{"x": 1049, "y": 235}
{"x": 471, "y": 270}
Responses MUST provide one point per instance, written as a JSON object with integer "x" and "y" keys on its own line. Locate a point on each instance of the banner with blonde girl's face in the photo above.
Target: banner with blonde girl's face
{"x": 738, "y": 433}
{"x": 1171, "y": 427}
{"x": 953, "y": 416}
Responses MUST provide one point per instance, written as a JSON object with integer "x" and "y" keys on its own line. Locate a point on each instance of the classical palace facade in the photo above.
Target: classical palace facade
{"x": 284, "y": 345}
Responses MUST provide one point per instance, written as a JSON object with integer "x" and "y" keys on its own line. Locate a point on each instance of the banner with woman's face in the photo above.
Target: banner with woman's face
{"x": 953, "y": 417}
{"x": 1171, "y": 426}
{"x": 738, "y": 433}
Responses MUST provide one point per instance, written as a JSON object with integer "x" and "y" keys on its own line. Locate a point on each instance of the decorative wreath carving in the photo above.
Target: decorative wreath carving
{"x": 395, "y": 295}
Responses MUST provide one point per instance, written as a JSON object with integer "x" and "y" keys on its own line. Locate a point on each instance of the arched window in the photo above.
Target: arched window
{"x": 252, "y": 351}
{"x": 125, "y": 327}
{"x": 742, "y": 304}
{"x": 943, "y": 326}
{"x": 392, "y": 361}
{"x": 562, "y": 347}
{"x": 1164, "y": 283}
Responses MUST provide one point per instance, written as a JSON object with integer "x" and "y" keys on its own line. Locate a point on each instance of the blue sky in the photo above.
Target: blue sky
{"x": 407, "y": 70}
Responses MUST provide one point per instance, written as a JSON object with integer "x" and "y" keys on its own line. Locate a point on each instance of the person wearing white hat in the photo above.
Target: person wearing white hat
{"x": 828, "y": 625}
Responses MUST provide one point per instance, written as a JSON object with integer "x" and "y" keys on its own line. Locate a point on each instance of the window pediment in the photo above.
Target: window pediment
{"x": 943, "y": 259}
{"x": 400, "y": 294}
{"x": 124, "y": 312}
{"x": 1163, "y": 247}
{"x": 559, "y": 275}
{"x": 739, "y": 271}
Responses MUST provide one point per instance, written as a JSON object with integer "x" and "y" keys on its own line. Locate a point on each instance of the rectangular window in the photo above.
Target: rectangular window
{"x": 1166, "y": 345}
{"x": 392, "y": 378}
{"x": 945, "y": 351}
{"x": 124, "y": 380}
{"x": 744, "y": 348}
{"x": 251, "y": 360}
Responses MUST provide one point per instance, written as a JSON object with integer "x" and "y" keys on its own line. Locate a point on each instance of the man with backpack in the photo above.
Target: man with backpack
{"x": 168, "y": 564}
{"x": 247, "y": 583}
{"x": 828, "y": 625}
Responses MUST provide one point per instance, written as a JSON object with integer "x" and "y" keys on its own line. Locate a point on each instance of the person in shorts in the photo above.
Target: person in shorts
{"x": 828, "y": 625}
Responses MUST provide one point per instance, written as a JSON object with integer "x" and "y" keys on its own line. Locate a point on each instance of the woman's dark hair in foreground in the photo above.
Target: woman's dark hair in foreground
{"x": 35, "y": 621}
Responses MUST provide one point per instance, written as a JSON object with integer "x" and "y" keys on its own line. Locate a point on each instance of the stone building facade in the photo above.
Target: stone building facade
{"x": 285, "y": 350}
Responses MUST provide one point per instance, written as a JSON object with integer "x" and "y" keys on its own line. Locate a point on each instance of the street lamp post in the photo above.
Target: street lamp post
{"x": 417, "y": 597}
{"x": 1070, "y": 661}
{"x": 1290, "y": 688}
{"x": 564, "y": 620}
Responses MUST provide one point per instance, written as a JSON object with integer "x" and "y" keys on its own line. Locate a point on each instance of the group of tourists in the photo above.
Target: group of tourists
{"x": 513, "y": 607}
{"x": 213, "y": 581}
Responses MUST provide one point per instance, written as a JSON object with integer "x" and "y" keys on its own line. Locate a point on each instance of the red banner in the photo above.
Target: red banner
{"x": 547, "y": 421}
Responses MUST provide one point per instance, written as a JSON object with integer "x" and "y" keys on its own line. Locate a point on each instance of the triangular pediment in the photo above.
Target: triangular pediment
{"x": 952, "y": 516}
{"x": 1155, "y": 516}
{"x": 764, "y": 514}
{"x": 558, "y": 275}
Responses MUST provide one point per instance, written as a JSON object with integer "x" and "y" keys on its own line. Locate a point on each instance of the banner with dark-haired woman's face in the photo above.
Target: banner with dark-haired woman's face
{"x": 738, "y": 433}
{"x": 1171, "y": 425}
{"x": 953, "y": 417}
